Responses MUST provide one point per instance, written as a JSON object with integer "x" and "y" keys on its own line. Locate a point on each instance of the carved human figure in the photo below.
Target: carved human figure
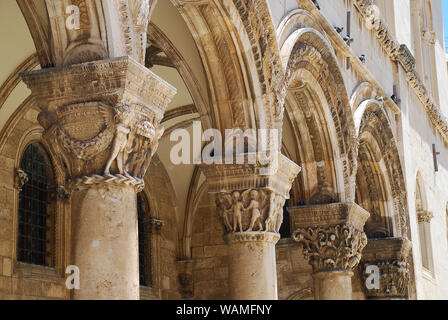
{"x": 238, "y": 208}
{"x": 279, "y": 213}
{"x": 224, "y": 202}
{"x": 137, "y": 159}
{"x": 119, "y": 144}
{"x": 256, "y": 215}
{"x": 271, "y": 221}
{"x": 152, "y": 148}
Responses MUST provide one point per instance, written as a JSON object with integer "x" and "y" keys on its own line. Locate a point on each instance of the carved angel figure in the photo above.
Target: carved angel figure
{"x": 254, "y": 206}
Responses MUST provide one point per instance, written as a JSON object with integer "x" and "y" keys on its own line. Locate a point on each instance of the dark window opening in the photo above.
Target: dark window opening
{"x": 35, "y": 227}
{"x": 144, "y": 241}
{"x": 285, "y": 229}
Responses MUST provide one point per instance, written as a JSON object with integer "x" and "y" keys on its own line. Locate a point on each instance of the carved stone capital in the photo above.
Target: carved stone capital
{"x": 424, "y": 216}
{"x": 101, "y": 118}
{"x": 250, "y": 197}
{"x": 331, "y": 235}
{"x": 391, "y": 257}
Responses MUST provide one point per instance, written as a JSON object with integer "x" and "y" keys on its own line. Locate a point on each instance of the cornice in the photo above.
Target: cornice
{"x": 397, "y": 52}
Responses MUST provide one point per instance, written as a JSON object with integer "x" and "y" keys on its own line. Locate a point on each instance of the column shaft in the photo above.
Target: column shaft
{"x": 252, "y": 267}
{"x": 333, "y": 285}
{"x": 105, "y": 242}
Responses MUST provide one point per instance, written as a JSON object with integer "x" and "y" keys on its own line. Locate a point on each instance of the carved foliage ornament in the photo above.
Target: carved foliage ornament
{"x": 424, "y": 216}
{"x": 251, "y": 210}
{"x": 332, "y": 248}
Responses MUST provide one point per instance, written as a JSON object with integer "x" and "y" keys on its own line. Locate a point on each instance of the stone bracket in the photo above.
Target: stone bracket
{"x": 391, "y": 256}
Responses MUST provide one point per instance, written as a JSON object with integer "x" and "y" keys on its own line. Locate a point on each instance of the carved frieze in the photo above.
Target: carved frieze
{"x": 251, "y": 210}
{"x": 102, "y": 119}
{"x": 250, "y": 197}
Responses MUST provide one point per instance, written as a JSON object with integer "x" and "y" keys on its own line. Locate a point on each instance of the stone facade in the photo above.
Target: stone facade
{"x": 354, "y": 90}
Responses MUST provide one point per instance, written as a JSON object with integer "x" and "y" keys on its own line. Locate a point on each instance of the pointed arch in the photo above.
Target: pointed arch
{"x": 239, "y": 51}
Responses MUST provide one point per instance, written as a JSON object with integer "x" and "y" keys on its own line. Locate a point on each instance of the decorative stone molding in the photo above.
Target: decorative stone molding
{"x": 401, "y": 54}
{"x": 21, "y": 178}
{"x": 424, "y": 216}
{"x": 331, "y": 235}
{"x": 250, "y": 197}
{"x": 257, "y": 20}
{"x": 391, "y": 256}
{"x": 251, "y": 236}
{"x": 86, "y": 182}
{"x": 102, "y": 119}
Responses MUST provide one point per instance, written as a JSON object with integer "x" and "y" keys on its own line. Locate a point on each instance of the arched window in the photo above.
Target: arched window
{"x": 424, "y": 227}
{"x": 144, "y": 240}
{"x": 424, "y": 39}
{"x": 36, "y": 218}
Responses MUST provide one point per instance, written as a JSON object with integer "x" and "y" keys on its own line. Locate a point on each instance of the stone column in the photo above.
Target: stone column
{"x": 102, "y": 123}
{"x": 250, "y": 204}
{"x": 332, "y": 238}
{"x": 391, "y": 257}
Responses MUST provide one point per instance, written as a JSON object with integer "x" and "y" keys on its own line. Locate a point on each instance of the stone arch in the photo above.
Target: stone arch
{"x": 380, "y": 181}
{"x": 238, "y": 48}
{"x": 236, "y": 41}
{"x": 107, "y": 29}
{"x": 321, "y": 115}
{"x": 294, "y": 20}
